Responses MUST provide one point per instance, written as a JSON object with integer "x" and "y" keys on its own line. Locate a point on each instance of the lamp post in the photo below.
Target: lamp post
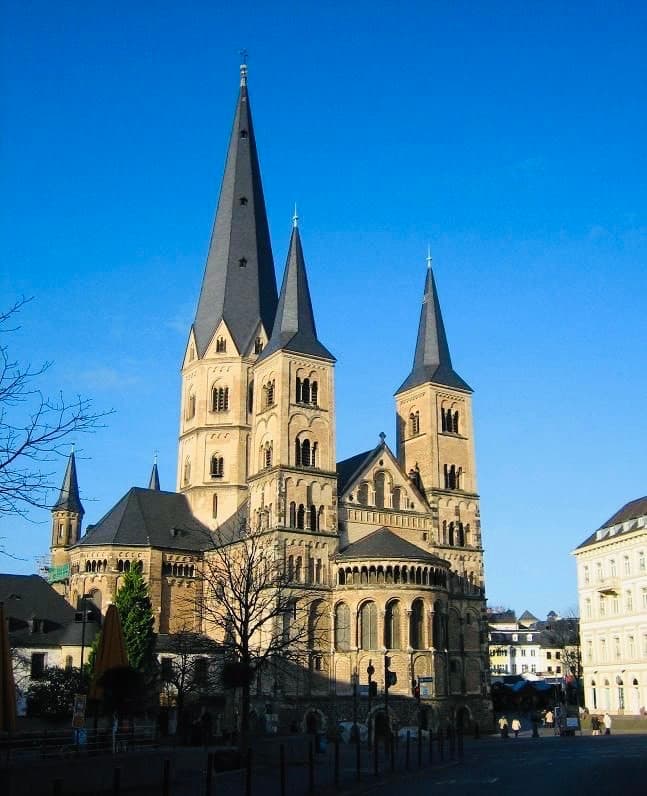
{"x": 84, "y": 614}
{"x": 370, "y": 671}
{"x": 355, "y": 733}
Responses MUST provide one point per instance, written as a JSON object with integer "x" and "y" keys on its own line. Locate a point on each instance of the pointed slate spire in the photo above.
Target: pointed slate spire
{"x": 239, "y": 284}
{"x": 432, "y": 361}
{"x": 154, "y": 481}
{"x": 294, "y": 328}
{"x": 68, "y": 499}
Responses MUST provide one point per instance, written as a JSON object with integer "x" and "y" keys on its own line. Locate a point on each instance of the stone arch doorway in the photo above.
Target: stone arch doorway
{"x": 382, "y": 728}
{"x": 463, "y": 718}
{"x": 313, "y": 721}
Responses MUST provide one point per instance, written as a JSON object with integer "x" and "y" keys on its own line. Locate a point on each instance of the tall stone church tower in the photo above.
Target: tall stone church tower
{"x": 233, "y": 322}
{"x": 435, "y": 440}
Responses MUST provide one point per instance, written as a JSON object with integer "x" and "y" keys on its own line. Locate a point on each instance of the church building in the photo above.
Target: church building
{"x": 390, "y": 540}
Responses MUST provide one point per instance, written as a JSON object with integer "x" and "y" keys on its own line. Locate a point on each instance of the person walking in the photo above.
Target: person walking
{"x": 503, "y": 726}
{"x": 595, "y": 725}
{"x": 549, "y": 718}
{"x": 516, "y": 726}
{"x": 607, "y": 723}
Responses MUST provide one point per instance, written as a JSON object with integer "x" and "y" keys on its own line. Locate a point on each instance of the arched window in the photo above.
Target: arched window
{"x": 342, "y": 627}
{"x": 392, "y": 626}
{"x": 187, "y": 470}
{"x": 219, "y": 399}
{"x": 314, "y": 392}
{"x": 313, "y": 518}
{"x": 396, "y": 497}
{"x": 221, "y": 345}
{"x": 461, "y": 534}
{"x": 318, "y": 625}
{"x": 414, "y": 423}
{"x": 298, "y": 569}
{"x": 217, "y": 467}
{"x": 305, "y": 453}
{"x": 313, "y": 455}
{"x": 301, "y": 514}
{"x": 293, "y": 515}
{"x": 214, "y": 506}
{"x": 258, "y": 345}
{"x": 305, "y": 391}
{"x": 379, "y": 490}
{"x": 266, "y": 452}
{"x": 297, "y": 396}
{"x": 362, "y": 494}
{"x": 368, "y": 626}
{"x": 269, "y": 394}
{"x": 320, "y": 519}
{"x": 290, "y": 567}
{"x": 443, "y": 419}
{"x": 451, "y": 534}
{"x": 190, "y": 406}
{"x": 455, "y": 423}
{"x": 452, "y": 476}
{"x": 416, "y": 625}
{"x": 444, "y": 539}
{"x": 126, "y": 566}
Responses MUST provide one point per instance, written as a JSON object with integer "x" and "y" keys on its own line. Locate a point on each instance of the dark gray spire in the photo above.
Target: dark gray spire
{"x": 68, "y": 499}
{"x": 154, "y": 482}
{"x": 239, "y": 283}
{"x": 294, "y": 328}
{"x": 432, "y": 362}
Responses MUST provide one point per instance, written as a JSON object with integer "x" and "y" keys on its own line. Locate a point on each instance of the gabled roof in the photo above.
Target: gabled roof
{"x": 348, "y": 468}
{"x": 150, "y": 518}
{"x": 68, "y": 498}
{"x": 294, "y": 326}
{"x": 384, "y": 543}
{"x": 432, "y": 361}
{"x": 29, "y": 597}
{"x": 239, "y": 284}
{"x": 528, "y": 618}
{"x": 627, "y": 519}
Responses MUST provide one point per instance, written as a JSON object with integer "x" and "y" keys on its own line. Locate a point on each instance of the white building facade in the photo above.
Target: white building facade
{"x": 612, "y": 589}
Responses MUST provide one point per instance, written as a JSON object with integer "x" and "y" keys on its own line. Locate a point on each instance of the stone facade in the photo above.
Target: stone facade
{"x": 390, "y": 542}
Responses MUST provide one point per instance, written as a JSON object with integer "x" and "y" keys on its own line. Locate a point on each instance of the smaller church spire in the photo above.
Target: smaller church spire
{"x": 294, "y": 327}
{"x": 432, "y": 361}
{"x": 69, "y": 499}
{"x": 154, "y": 481}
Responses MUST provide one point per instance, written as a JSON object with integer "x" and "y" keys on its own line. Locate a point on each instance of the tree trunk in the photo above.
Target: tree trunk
{"x": 244, "y": 718}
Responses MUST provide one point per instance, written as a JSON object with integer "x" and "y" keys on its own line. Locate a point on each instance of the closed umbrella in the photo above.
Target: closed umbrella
{"x": 7, "y": 685}
{"x": 111, "y": 653}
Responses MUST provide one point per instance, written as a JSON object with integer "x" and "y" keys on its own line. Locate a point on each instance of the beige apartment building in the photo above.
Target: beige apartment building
{"x": 390, "y": 539}
{"x": 612, "y": 587}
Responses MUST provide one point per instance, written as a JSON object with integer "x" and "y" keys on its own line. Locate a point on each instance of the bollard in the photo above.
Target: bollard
{"x": 358, "y": 760}
{"x": 248, "y": 777}
{"x": 376, "y": 754}
{"x": 336, "y": 765}
{"x": 431, "y": 746}
{"x": 311, "y": 768}
{"x": 419, "y": 747}
{"x": 58, "y": 787}
{"x": 408, "y": 750}
{"x": 166, "y": 778}
{"x": 282, "y": 768}
{"x": 116, "y": 782}
{"x": 441, "y": 750}
{"x": 209, "y": 774}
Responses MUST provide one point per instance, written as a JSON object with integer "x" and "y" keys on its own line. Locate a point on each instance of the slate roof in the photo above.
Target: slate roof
{"x": 432, "y": 361}
{"x": 28, "y": 597}
{"x": 68, "y": 499}
{"x": 383, "y": 543}
{"x": 150, "y": 518}
{"x": 347, "y": 469}
{"x": 527, "y": 617}
{"x": 294, "y": 326}
{"x": 239, "y": 284}
{"x": 629, "y": 514}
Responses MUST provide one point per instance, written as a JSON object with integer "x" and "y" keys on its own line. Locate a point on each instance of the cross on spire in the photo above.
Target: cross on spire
{"x": 295, "y": 217}
{"x": 243, "y": 67}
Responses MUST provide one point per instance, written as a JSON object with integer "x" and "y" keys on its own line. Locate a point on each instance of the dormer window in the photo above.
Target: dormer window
{"x": 258, "y": 345}
{"x": 221, "y": 345}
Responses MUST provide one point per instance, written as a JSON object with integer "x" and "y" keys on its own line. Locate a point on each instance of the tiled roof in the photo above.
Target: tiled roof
{"x": 150, "y": 518}
{"x": 384, "y": 544}
{"x": 625, "y": 520}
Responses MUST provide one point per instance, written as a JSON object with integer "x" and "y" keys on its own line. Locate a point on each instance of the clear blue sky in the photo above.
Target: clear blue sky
{"x": 511, "y": 136}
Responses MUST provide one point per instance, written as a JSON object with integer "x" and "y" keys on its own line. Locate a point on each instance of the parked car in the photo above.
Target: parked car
{"x": 413, "y": 733}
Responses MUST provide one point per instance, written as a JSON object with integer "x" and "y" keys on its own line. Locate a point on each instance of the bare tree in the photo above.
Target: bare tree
{"x": 34, "y": 428}
{"x": 188, "y": 669}
{"x": 264, "y": 615}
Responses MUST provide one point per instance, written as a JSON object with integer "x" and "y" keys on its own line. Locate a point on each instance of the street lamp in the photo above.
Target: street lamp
{"x": 370, "y": 671}
{"x": 354, "y": 679}
{"x": 84, "y": 614}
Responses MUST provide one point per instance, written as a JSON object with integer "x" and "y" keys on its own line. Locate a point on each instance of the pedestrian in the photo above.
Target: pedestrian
{"x": 516, "y": 726}
{"x": 503, "y": 726}
{"x": 607, "y": 723}
{"x": 595, "y": 725}
{"x": 549, "y": 718}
